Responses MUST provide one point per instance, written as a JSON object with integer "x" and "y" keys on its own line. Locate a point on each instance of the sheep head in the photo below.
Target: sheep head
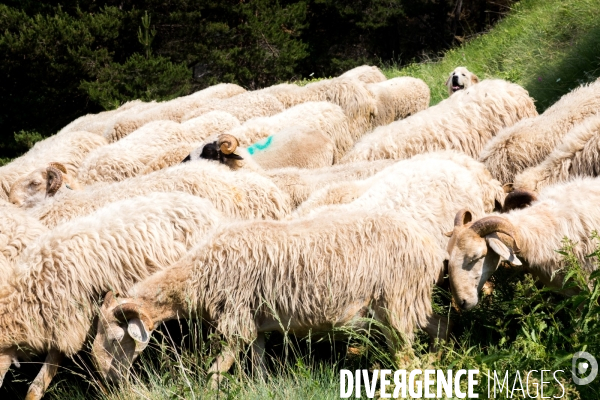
{"x": 42, "y": 182}
{"x": 475, "y": 250}
{"x": 124, "y": 330}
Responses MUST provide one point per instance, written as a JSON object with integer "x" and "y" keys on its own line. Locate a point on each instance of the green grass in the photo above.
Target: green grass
{"x": 547, "y": 46}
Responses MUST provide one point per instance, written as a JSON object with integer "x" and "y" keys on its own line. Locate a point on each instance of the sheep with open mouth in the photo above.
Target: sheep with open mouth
{"x": 459, "y": 79}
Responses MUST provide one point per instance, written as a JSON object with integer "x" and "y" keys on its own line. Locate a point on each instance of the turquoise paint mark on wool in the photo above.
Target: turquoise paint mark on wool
{"x": 260, "y": 145}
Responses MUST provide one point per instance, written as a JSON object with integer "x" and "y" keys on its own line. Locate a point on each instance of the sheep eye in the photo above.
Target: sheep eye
{"x": 36, "y": 183}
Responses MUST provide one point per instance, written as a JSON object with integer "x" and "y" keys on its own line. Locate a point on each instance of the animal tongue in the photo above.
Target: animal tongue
{"x": 455, "y": 87}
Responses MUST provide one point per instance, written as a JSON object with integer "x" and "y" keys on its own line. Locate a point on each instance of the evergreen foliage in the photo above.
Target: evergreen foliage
{"x": 63, "y": 59}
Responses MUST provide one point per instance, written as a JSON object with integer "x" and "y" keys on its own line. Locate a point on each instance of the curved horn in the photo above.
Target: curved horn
{"x": 227, "y": 143}
{"x": 462, "y": 217}
{"x": 58, "y": 166}
{"x": 487, "y": 225}
{"x": 54, "y": 181}
{"x": 127, "y": 311}
{"x": 517, "y": 199}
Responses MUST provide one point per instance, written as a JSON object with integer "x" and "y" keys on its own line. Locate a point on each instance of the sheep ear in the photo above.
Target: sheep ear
{"x": 502, "y": 250}
{"x": 139, "y": 333}
{"x": 474, "y": 78}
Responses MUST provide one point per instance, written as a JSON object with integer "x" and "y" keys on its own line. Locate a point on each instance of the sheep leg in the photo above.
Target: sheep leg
{"x": 258, "y": 356}
{"x": 437, "y": 327}
{"x": 43, "y": 378}
{"x": 222, "y": 364}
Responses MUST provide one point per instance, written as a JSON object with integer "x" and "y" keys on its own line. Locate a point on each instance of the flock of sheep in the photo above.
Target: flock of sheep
{"x": 292, "y": 209}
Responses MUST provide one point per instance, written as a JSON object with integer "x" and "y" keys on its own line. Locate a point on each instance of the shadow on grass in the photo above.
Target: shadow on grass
{"x": 580, "y": 64}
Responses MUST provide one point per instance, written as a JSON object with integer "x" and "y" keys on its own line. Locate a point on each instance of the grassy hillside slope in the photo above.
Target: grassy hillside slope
{"x": 547, "y": 46}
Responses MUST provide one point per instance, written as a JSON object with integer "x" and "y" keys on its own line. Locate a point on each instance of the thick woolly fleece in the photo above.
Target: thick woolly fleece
{"x": 50, "y": 300}
{"x": 464, "y": 122}
{"x": 69, "y": 149}
{"x": 528, "y": 142}
{"x": 237, "y": 194}
{"x": 132, "y": 155}
{"x": 578, "y": 154}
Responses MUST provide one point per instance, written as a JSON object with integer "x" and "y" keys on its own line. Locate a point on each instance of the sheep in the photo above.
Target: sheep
{"x": 431, "y": 187}
{"x": 404, "y": 176}
{"x": 243, "y": 106}
{"x": 257, "y": 276}
{"x": 289, "y": 94}
{"x": 398, "y": 98}
{"x": 528, "y": 142}
{"x": 578, "y": 154}
{"x": 465, "y": 122}
{"x": 130, "y": 156}
{"x": 533, "y": 233}
{"x": 69, "y": 149}
{"x": 300, "y": 183}
{"x": 17, "y": 231}
{"x": 322, "y": 116}
{"x": 352, "y": 95}
{"x": 98, "y": 123}
{"x": 459, "y": 79}
{"x": 49, "y": 302}
{"x": 294, "y": 146}
{"x": 172, "y": 110}
{"x": 173, "y": 154}
{"x": 42, "y": 182}
{"x": 237, "y": 194}
{"x": 365, "y": 73}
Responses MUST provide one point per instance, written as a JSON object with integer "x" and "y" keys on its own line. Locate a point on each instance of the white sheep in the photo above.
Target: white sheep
{"x": 352, "y": 95}
{"x": 398, "y": 98}
{"x": 131, "y": 155}
{"x": 431, "y": 187}
{"x": 49, "y": 302}
{"x": 289, "y": 94}
{"x": 68, "y": 149}
{"x": 254, "y": 277}
{"x": 98, "y": 123}
{"x": 465, "y": 179}
{"x": 172, "y": 110}
{"x": 243, "y": 106}
{"x": 294, "y": 146}
{"x": 534, "y": 234}
{"x": 17, "y": 231}
{"x": 365, "y": 73}
{"x": 298, "y": 183}
{"x": 42, "y": 182}
{"x": 464, "y": 122}
{"x": 237, "y": 194}
{"x": 578, "y": 154}
{"x": 321, "y": 116}
{"x": 528, "y": 142}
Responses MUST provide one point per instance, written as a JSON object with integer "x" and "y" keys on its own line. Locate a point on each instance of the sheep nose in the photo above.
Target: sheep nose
{"x": 463, "y": 304}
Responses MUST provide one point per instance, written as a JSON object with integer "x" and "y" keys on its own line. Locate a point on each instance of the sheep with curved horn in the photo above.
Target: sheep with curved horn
{"x": 49, "y": 301}
{"x": 528, "y": 237}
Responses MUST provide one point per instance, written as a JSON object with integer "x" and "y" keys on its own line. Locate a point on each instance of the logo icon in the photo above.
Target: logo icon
{"x": 580, "y": 365}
